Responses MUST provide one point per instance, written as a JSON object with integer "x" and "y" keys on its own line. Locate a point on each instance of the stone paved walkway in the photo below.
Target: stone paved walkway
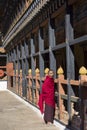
{"x": 15, "y": 115}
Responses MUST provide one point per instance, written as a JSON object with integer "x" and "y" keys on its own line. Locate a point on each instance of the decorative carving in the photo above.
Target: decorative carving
{"x": 30, "y": 71}
{"x": 2, "y": 50}
{"x": 82, "y": 71}
{"x": 46, "y": 71}
{"x": 60, "y": 70}
{"x": 37, "y": 71}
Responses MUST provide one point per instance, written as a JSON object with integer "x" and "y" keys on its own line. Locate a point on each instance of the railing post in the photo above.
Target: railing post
{"x": 37, "y": 71}
{"x": 83, "y": 97}
{"x": 60, "y": 91}
{"x": 30, "y": 85}
{"x": 17, "y": 81}
{"x": 20, "y": 86}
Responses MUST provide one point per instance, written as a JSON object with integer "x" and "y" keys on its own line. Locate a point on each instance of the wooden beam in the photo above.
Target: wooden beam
{"x": 2, "y": 67}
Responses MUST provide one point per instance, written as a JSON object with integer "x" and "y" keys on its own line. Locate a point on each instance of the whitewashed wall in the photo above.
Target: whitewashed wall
{"x": 3, "y": 85}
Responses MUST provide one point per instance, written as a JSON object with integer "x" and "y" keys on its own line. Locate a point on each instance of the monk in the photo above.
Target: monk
{"x": 47, "y": 98}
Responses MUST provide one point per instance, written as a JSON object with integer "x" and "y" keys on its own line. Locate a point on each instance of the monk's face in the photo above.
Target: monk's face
{"x": 51, "y": 74}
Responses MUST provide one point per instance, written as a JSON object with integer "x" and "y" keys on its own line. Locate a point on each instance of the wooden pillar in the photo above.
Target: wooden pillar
{"x": 52, "y": 44}
{"x": 33, "y": 64}
{"x": 37, "y": 71}
{"x": 41, "y": 60}
{"x": 26, "y": 64}
{"x": 69, "y": 56}
{"x": 23, "y": 70}
{"x": 41, "y": 48}
{"x": 18, "y": 68}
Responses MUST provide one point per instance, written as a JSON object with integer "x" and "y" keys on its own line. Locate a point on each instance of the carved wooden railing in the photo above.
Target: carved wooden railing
{"x": 61, "y": 95}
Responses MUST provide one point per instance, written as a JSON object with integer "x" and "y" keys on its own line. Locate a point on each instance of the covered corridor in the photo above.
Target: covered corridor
{"x": 36, "y": 36}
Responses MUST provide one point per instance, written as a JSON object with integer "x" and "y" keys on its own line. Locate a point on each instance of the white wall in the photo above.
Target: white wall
{"x": 3, "y": 85}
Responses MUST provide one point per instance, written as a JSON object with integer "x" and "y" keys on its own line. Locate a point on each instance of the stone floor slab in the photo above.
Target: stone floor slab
{"x": 14, "y": 115}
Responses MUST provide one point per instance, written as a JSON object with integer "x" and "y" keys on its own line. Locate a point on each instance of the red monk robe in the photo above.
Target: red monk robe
{"x": 47, "y": 94}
